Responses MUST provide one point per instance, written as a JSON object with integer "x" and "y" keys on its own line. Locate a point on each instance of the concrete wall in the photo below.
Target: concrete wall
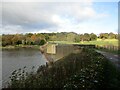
{"x": 51, "y": 48}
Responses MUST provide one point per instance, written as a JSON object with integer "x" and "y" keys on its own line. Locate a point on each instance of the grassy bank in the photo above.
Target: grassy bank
{"x": 20, "y": 46}
{"x": 84, "y": 70}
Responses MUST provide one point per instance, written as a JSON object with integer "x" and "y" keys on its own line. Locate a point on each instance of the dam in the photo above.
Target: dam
{"x": 58, "y": 51}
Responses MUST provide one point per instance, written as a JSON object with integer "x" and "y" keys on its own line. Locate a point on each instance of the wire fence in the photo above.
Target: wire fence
{"x": 108, "y": 47}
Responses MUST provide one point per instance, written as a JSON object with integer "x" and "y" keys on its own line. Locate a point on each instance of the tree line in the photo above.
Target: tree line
{"x": 42, "y": 38}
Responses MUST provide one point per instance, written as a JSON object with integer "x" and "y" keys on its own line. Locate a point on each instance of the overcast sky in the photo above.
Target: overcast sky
{"x": 80, "y": 17}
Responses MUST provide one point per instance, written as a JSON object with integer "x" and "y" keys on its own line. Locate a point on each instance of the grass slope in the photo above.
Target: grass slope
{"x": 85, "y": 70}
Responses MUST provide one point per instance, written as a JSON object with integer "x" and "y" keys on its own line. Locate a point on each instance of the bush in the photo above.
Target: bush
{"x": 42, "y": 42}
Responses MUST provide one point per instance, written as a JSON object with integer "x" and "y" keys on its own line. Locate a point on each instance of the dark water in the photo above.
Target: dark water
{"x": 18, "y": 58}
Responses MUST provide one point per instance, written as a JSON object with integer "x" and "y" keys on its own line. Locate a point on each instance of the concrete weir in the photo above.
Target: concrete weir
{"x": 48, "y": 49}
{"x": 51, "y": 48}
{"x": 54, "y": 52}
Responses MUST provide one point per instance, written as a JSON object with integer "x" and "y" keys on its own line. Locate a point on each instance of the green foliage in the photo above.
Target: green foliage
{"x": 35, "y": 39}
{"x": 71, "y": 37}
{"x": 108, "y": 36}
{"x": 7, "y": 40}
{"x": 86, "y": 37}
{"x": 28, "y": 34}
{"x": 112, "y": 36}
{"x": 93, "y": 37}
{"x": 104, "y": 35}
{"x": 77, "y": 38}
{"x": 42, "y": 42}
{"x": 85, "y": 70}
{"x": 27, "y": 39}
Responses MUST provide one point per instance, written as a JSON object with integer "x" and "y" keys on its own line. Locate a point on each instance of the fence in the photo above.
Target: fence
{"x": 85, "y": 46}
{"x": 108, "y": 47}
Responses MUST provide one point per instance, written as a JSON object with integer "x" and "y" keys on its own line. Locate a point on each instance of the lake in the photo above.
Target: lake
{"x": 14, "y": 59}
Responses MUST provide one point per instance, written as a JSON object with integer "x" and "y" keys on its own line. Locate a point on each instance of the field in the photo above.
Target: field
{"x": 99, "y": 42}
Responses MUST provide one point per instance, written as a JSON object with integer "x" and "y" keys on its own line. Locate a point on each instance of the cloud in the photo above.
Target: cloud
{"x": 50, "y": 17}
{"x": 60, "y": 0}
{"x": 48, "y": 1}
{"x": 12, "y": 29}
{"x": 25, "y": 13}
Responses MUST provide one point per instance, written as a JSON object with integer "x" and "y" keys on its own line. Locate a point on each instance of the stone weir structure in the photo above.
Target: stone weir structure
{"x": 53, "y": 51}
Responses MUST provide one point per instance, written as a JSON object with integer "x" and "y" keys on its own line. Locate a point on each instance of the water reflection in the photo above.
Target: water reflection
{"x": 18, "y": 58}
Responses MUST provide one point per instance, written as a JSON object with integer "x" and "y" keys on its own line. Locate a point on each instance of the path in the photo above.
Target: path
{"x": 112, "y": 57}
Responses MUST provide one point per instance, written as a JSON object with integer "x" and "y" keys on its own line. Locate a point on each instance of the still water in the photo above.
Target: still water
{"x": 15, "y": 59}
{"x": 19, "y": 58}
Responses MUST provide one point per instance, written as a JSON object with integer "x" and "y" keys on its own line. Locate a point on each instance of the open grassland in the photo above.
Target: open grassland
{"x": 99, "y": 42}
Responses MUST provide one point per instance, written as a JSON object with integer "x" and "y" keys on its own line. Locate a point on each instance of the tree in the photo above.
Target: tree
{"x": 81, "y": 37}
{"x": 93, "y": 37}
{"x": 71, "y": 37}
{"x": 42, "y": 42}
{"x": 28, "y": 41}
{"x": 47, "y": 37}
{"x": 77, "y": 38}
{"x": 33, "y": 38}
{"x": 116, "y": 36}
{"x": 61, "y": 36}
{"x": 28, "y": 34}
{"x": 7, "y": 40}
{"x": 112, "y": 36}
{"x": 53, "y": 38}
{"x": 16, "y": 40}
{"x": 86, "y": 37}
{"x": 37, "y": 41}
{"x": 104, "y": 35}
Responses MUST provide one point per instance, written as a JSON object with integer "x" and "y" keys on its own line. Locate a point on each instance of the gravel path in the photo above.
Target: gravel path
{"x": 112, "y": 57}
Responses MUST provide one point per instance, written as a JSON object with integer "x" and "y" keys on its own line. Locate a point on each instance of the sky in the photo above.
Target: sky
{"x": 88, "y": 16}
